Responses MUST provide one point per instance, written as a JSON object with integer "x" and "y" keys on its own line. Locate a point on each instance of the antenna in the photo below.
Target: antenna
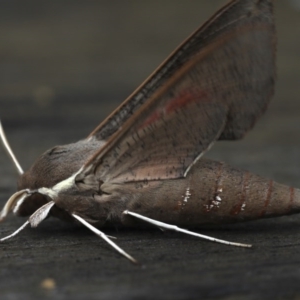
{"x": 9, "y": 151}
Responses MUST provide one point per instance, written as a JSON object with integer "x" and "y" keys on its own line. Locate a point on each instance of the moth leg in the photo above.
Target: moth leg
{"x": 162, "y": 225}
{"x": 15, "y": 233}
{"x": 41, "y": 214}
{"x": 34, "y": 220}
{"x": 104, "y": 237}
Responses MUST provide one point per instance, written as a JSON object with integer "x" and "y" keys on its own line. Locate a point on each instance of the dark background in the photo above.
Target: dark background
{"x": 64, "y": 65}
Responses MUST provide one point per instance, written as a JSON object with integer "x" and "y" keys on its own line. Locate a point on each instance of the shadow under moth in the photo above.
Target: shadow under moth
{"x": 144, "y": 162}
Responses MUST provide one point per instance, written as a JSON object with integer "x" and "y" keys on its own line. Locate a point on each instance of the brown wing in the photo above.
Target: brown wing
{"x": 214, "y": 86}
{"x": 228, "y": 19}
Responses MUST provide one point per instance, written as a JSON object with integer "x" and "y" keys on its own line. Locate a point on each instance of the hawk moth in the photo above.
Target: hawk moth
{"x": 144, "y": 161}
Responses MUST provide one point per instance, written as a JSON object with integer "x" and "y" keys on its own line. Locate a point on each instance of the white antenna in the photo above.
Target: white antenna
{"x": 9, "y": 151}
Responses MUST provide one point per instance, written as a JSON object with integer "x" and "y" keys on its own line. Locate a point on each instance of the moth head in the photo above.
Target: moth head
{"x": 53, "y": 167}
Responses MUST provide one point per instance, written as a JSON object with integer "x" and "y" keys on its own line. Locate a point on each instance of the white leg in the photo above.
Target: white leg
{"x": 15, "y": 233}
{"x": 104, "y": 237}
{"x": 34, "y": 220}
{"x": 175, "y": 228}
{"x": 39, "y": 215}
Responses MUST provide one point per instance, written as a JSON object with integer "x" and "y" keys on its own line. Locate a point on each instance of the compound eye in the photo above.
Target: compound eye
{"x": 57, "y": 151}
{"x": 31, "y": 204}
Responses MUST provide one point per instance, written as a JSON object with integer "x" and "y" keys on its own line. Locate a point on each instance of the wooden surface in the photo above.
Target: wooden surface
{"x": 62, "y": 70}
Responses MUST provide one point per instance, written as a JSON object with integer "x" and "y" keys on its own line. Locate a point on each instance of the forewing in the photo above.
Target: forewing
{"x": 214, "y": 86}
{"x": 230, "y": 18}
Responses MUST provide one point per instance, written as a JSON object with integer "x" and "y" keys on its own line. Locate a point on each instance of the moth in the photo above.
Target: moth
{"x": 144, "y": 162}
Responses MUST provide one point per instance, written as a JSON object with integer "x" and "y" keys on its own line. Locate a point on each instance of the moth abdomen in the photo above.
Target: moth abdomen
{"x": 235, "y": 195}
{"x": 215, "y": 193}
